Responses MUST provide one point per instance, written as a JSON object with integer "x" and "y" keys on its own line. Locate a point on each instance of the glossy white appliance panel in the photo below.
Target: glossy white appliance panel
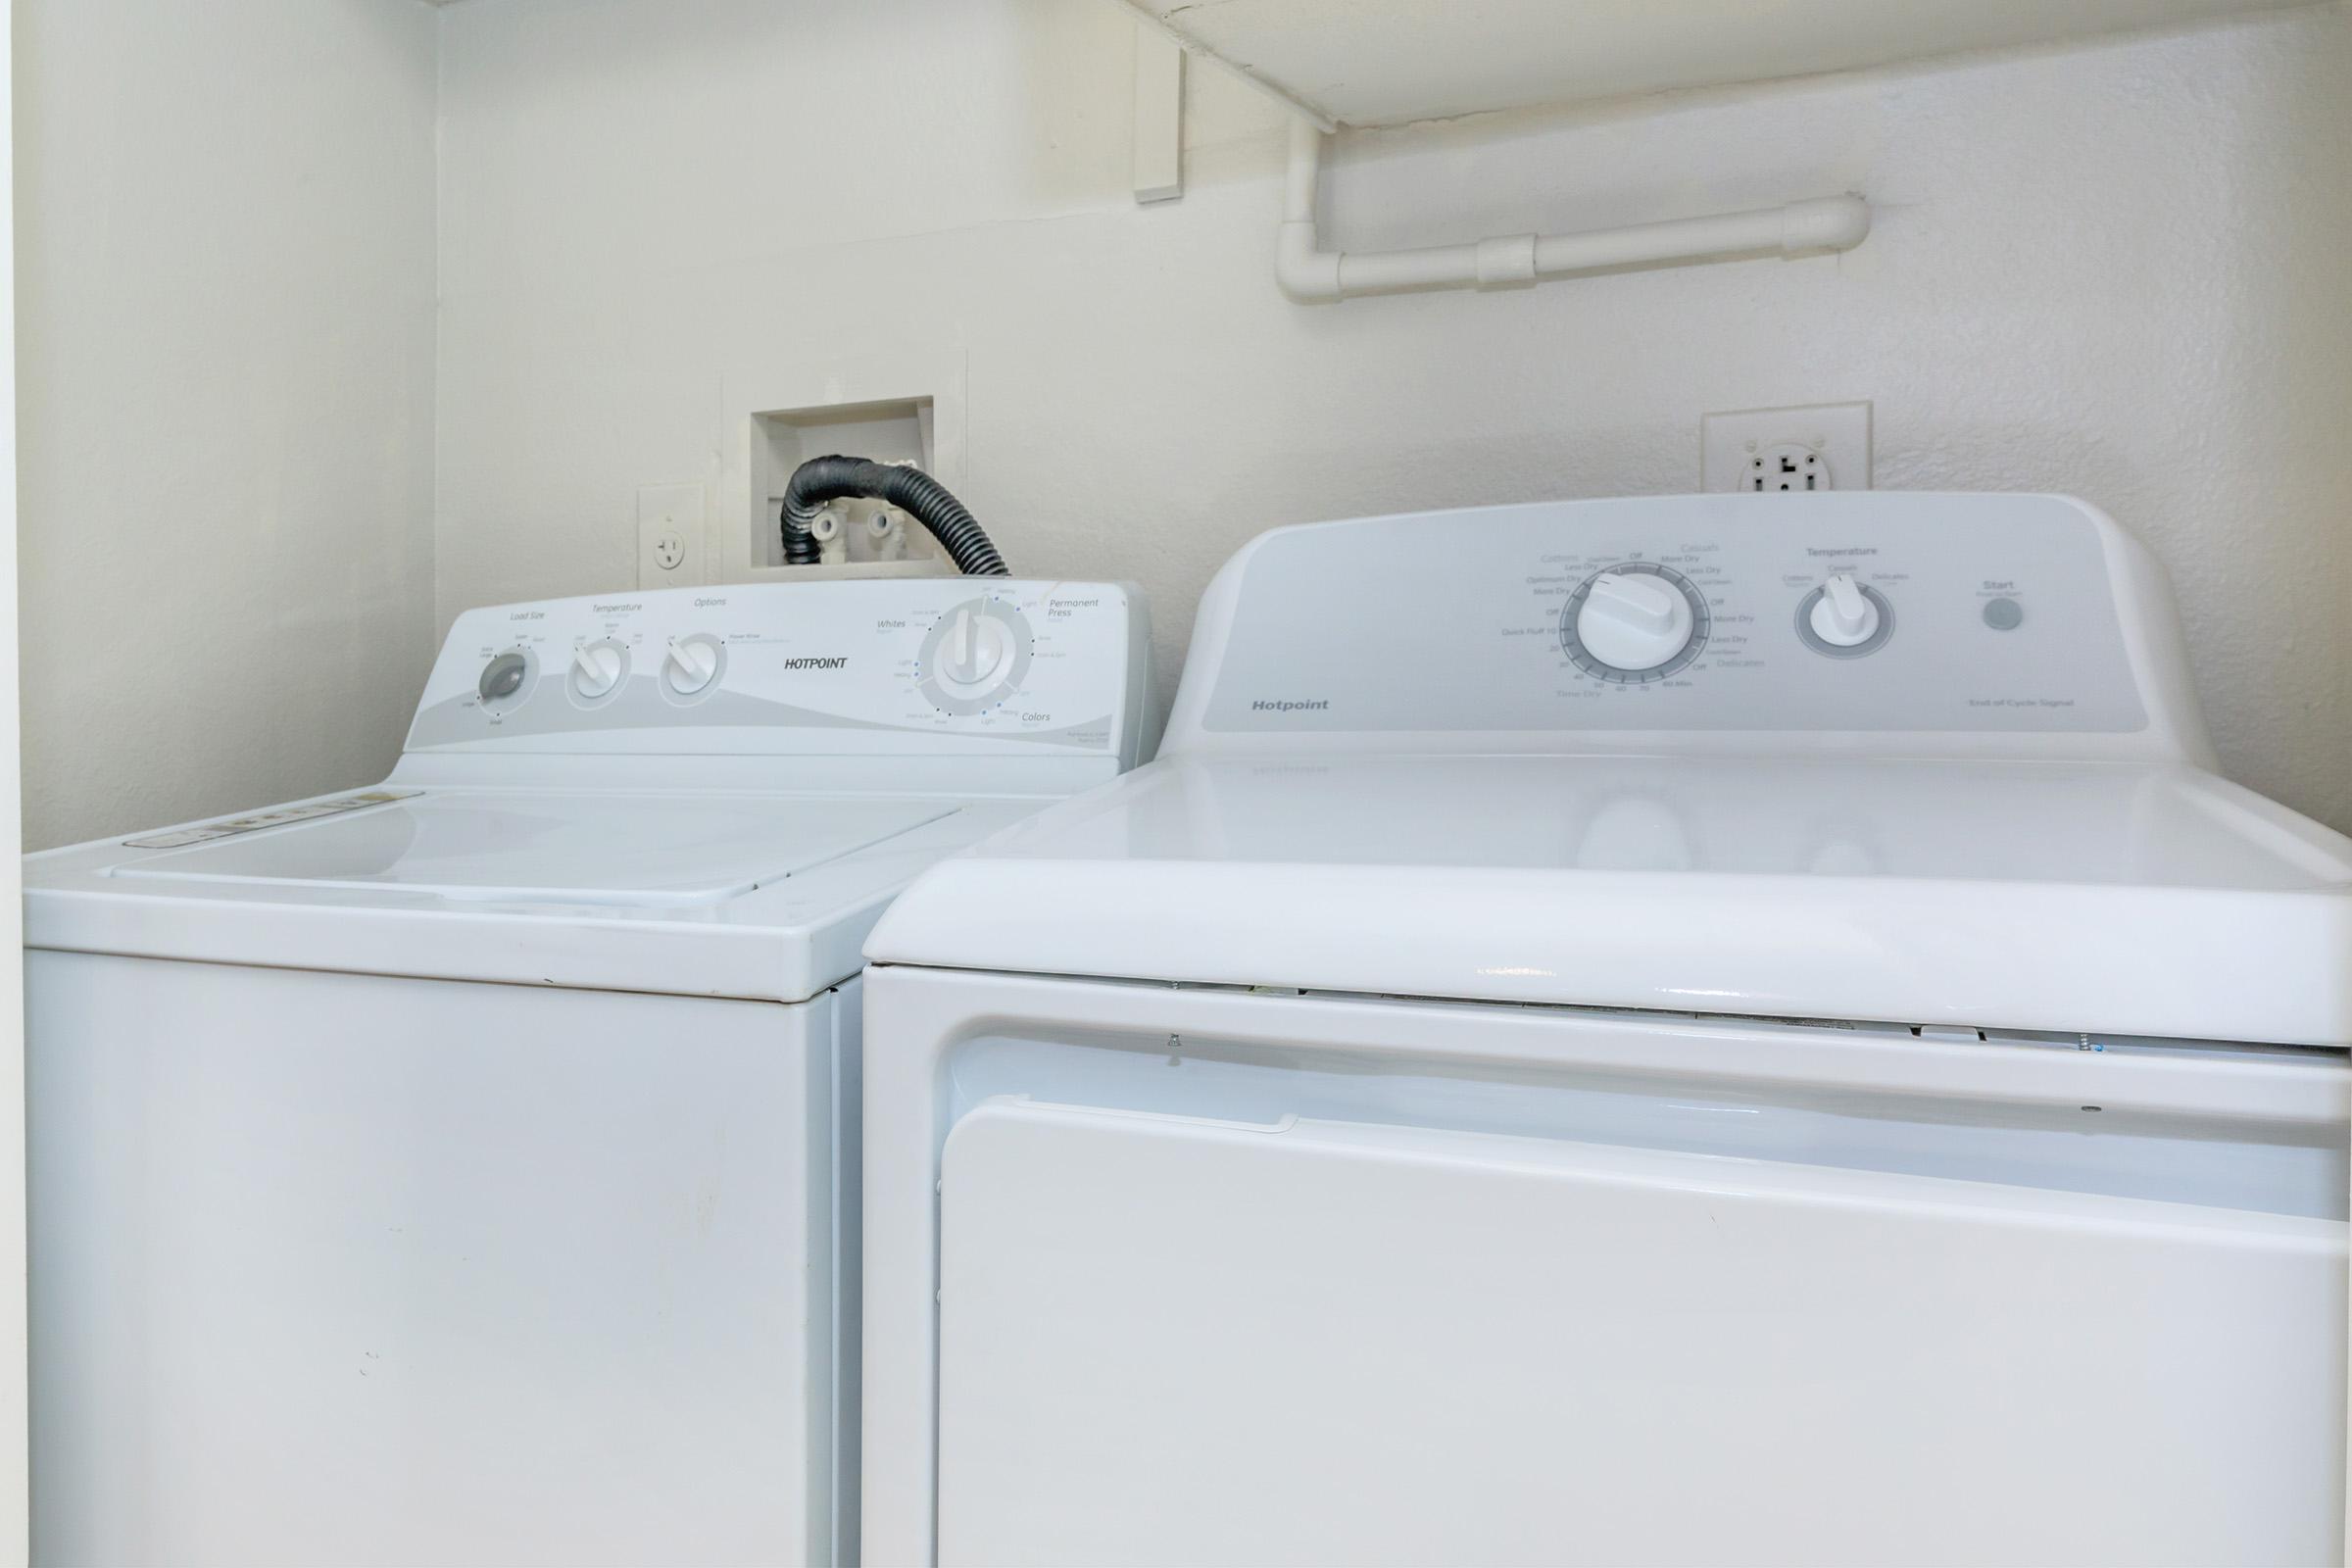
{"x": 1180, "y": 1340}
{"x": 334, "y": 1269}
{"x": 1984, "y": 624}
{"x": 1202, "y": 1275}
{"x": 970, "y": 667}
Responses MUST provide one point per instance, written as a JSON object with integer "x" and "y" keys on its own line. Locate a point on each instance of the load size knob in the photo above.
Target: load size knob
{"x": 502, "y": 678}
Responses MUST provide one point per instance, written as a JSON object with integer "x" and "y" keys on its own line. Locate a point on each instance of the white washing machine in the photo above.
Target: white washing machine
{"x": 464, "y": 1170}
{"x": 1714, "y": 1030}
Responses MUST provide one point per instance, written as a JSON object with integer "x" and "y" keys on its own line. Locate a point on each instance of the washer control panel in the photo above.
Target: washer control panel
{"x": 883, "y": 666}
{"x": 1872, "y": 613}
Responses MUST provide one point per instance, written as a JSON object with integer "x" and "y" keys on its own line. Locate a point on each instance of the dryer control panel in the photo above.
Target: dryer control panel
{"x": 1997, "y": 622}
{"x": 883, "y": 666}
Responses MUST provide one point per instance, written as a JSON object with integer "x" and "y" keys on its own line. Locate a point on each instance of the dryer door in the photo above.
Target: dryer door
{"x": 1232, "y": 1278}
{"x": 1171, "y": 1340}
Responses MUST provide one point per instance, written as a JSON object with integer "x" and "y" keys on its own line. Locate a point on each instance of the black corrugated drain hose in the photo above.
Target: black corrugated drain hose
{"x": 910, "y": 490}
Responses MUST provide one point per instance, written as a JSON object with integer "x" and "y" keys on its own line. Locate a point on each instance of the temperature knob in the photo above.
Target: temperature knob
{"x": 693, "y": 664}
{"x": 597, "y": 670}
{"x": 1843, "y": 617}
{"x": 1635, "y": 624}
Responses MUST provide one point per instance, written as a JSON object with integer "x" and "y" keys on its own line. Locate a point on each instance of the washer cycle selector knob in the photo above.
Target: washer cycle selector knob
{"x": 1843, "y": 617}
{"x": 973, "y": 650}
{"x": 693, "y": 664}
{"x": 597, "y": 670}
{"x": 974, "y": 657}
{"x": 1634, "y": 620}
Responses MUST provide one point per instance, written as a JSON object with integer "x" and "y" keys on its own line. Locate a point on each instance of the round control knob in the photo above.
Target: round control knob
{"x": 597, "y": 670}
{"x": 503, "y": 677}
{"x": 1634, "y": 620}
{"x": 1844, "y": 617}
{"x": 974, "y": 648}
{"x": 974, "y": 656}
{"x": 692, "y": 665}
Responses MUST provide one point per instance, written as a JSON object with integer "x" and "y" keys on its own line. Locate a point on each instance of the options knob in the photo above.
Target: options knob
{"x": 597, "y": 670}
{"x": 1635, "y": 620}
{"x": 693, "y": 664}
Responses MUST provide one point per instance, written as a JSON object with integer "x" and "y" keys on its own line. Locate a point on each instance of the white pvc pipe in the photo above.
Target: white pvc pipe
{"x": 1310, "y": 273}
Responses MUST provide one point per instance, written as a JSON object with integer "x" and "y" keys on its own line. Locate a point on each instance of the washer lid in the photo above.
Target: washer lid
{"x": 502, "y": 847}
{"x": 2102, "y": 897}
{"x": 759, "y": 895}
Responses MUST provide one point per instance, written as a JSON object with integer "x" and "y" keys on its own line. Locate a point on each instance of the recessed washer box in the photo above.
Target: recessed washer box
{"x": 893, "y": 408}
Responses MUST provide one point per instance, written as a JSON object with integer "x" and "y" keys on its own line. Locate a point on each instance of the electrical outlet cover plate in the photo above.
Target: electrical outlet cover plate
{"x": 1820, "y": 446}
{"x": 671, "y": 547}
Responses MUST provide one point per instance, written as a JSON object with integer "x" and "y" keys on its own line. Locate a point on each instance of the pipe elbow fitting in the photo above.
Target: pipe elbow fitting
{"x": 1827, "y": 223}
{"x": 1307, "y": 274}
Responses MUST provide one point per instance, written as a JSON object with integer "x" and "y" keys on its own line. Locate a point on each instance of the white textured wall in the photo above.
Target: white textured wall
{"x": 225, "y": 286}
{"x": 2117, "y": 271}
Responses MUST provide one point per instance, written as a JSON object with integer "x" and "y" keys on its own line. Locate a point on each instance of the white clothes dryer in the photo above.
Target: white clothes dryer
{"x": 1700, "y": 1030}
{"x": 465, "y": 1170}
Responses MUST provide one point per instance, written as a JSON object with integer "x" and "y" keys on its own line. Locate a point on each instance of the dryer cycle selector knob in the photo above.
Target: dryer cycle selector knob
{"x": 1634, "y": 624}
{"x": 597, "y": 670}
{"x": 693, "y": 664}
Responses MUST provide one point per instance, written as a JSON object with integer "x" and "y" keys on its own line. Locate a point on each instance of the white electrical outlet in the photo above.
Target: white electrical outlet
{"x": 670, "y": 537}
{"x": 1821, "y": 446}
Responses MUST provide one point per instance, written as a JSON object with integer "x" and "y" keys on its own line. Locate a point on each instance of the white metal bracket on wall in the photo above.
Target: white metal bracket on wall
{"x": 1158, "y": 114}
{"x": 1311, "y": 275}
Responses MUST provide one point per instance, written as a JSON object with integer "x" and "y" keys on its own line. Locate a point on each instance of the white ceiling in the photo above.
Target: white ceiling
{"x": 1387, "y": 61}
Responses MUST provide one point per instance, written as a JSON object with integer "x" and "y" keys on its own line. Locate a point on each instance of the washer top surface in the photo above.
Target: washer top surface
{"x": 758, "y": 893}
{"x": 649, "y": 850}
